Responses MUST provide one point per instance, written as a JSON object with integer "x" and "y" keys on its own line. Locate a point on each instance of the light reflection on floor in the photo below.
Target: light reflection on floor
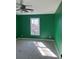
{"x": 44, "y": 50}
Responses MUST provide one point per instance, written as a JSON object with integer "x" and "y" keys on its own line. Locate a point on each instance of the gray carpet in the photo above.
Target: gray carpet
{"x": 28, "y": 50}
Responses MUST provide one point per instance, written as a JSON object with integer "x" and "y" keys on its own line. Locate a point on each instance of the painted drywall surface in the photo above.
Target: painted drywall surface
{"x": 23, "y": 26}
{"x": 58, "y": 28}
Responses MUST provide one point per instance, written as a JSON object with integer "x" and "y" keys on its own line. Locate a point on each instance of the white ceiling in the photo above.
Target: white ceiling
{"x": 41, "y": 6}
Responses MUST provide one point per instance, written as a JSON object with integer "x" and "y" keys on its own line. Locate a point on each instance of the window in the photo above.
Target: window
{"x": 35, "y": 26}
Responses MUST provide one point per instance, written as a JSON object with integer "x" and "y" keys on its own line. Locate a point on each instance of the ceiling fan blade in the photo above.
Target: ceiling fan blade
{"x": 30, "y": 10}
{"x": 26, "y": 11}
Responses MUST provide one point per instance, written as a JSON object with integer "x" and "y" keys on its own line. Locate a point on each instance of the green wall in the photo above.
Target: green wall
{"x": 58, "y": 29}
{"x": 23, "y": 26}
